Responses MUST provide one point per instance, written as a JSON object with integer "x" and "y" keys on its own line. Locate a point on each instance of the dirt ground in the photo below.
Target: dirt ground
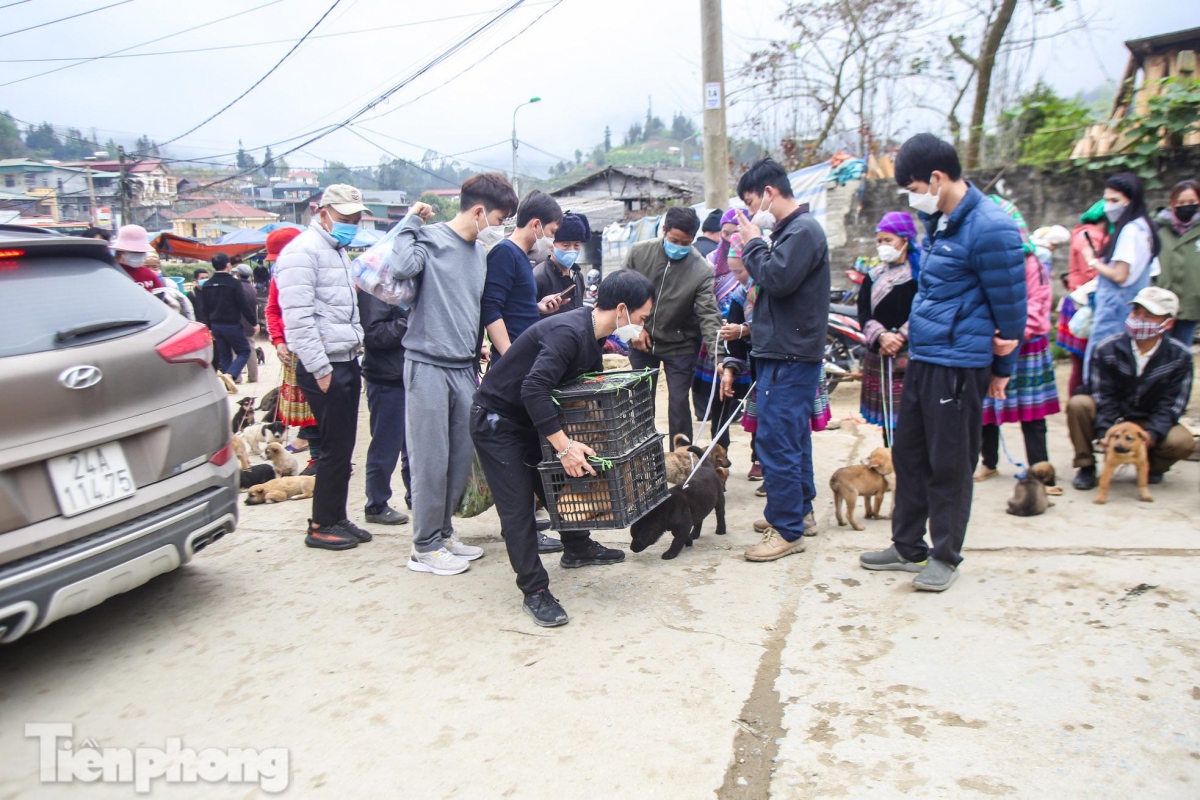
{"x": 1063, "y": 663}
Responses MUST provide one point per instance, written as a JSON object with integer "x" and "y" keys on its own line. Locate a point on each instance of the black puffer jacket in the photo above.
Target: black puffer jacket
{"x": 384, "y": 327}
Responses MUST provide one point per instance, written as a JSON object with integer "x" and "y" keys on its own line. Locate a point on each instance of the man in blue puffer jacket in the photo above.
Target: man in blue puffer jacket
{"x": 966, "y": 322}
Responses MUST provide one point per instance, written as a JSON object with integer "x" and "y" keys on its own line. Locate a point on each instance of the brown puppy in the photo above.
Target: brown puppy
{"x": 241, "y": 451}
{"x": 1029, "y": 495}
{"x": 281, "y": 489}
{"x": 1126, "y": 443}
{"x": 683, "y": 459}
{"x": 868, "y": 480}
{"x": 284, "y": 462}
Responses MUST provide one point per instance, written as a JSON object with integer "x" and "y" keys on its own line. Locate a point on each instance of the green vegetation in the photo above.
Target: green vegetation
{"x": 1043, "y": 126}
{"x": 1157, "y": 135}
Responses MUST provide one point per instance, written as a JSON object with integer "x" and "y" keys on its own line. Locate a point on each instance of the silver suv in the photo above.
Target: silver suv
{"x": 115, "y": 456}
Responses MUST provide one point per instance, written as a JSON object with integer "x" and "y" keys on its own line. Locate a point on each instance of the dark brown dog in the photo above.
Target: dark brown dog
{"x": 244, "y": 415}
{"x": 1126, "y": 443}
{"x": 1029, "y": 495}
{"x": 683, "y": 513}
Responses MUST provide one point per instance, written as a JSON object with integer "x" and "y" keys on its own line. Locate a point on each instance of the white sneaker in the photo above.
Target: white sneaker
{"x": 468, "y": 551}
{"x": 439, "y": 562}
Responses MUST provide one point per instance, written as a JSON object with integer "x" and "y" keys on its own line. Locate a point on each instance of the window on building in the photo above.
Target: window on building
{"x": 30, "y": 179}
{"x": 10, "y": 181}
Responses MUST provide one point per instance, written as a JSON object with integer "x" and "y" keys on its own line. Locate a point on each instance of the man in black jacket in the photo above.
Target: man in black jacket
{"x": 1142, "y": 376}
{"x": 514, "y": 409}
{"x": 226, "y": 307}
{"x": 788, "y": 334}
{"x": 384, "y": 327}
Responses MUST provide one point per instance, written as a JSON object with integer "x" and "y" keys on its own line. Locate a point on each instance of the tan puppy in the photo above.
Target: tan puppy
{"x": 1029, "y": 495}
{"x": 240, "y": 449}
{"x": 684, "y": 458}
{"x": 284, "y": 462}
{"x": 281, "y": 490}
{"x": 1126, "y": 443}
{"x": 867, "y": 480}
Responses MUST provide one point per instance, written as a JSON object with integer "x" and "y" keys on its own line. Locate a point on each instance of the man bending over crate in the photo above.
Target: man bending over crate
{"x": 514, "y": 409}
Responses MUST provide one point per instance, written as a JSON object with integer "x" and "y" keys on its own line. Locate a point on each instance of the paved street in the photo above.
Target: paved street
{"x": 1062, "y": 664}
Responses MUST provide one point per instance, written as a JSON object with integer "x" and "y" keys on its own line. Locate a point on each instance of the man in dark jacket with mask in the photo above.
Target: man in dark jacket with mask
{"x": 384, "y": 327}
{"x": 685, "y": 310}
{"x": 788, "y": 335}
{"x": 226, "y": 307}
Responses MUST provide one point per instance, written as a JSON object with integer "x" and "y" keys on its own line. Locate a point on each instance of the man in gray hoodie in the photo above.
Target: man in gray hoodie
{"x": 449, "y": 265}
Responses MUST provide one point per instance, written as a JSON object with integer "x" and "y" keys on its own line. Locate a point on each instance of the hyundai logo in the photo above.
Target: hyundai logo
{"x": 80, "y": 377}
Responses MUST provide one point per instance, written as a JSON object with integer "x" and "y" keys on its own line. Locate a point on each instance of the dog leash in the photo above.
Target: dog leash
{"x": 722, "y": 430}
{"x": 711, "y": 392}
{"x": 889, "y": 405}
{"x": 1022, "y": 470}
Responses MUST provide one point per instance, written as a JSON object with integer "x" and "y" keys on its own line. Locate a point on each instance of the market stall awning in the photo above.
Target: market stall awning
{"x": 242, "y": 236}
{"x": 168, "y": 244}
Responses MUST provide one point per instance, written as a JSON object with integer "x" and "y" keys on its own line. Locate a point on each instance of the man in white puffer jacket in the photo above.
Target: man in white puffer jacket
{"x": 321, "y": 324}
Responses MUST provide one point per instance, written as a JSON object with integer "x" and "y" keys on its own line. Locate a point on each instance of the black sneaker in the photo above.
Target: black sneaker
{"x": 353, "y": 530}
{"x": 1085, "y": 479}
{"x": 311, "y": 469}
{"x": 1155, "y": 478}
{"x": 329, "y": 537}
{"x": 543, "y": 524}
{"x": 389, "y": 516}
{"x": 544, "y": 609}
{"x": 548, "y": 544}
{"x": 595, "y": 554}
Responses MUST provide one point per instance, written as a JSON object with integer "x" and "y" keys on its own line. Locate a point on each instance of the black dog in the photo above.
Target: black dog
{"x": 683, "y": 512}
{"x": 262, "y": 357}
{"x": 269, "y": 406}
{"x": 244, "y": 415}
{"x": 259, "y": 473}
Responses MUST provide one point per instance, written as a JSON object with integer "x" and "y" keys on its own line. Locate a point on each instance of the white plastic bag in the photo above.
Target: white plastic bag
{"x": 1080, "y": 325}
{"x": 372, "y": 273}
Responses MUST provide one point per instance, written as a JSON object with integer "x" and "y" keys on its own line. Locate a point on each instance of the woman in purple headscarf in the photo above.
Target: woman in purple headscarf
{"x": 884, "y": 303}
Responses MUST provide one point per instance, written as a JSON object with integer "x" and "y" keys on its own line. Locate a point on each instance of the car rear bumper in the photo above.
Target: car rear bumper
{"x": 65, "y": 580}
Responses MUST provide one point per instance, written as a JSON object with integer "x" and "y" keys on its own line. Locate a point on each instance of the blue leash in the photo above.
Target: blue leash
{"x": 1022, "y": 470}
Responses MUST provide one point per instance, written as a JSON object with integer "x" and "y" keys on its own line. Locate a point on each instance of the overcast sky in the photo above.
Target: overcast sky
{"x": 594, "y": 63}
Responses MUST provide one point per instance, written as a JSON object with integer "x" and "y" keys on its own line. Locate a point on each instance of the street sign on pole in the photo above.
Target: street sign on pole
{"x": 712, "y": 96}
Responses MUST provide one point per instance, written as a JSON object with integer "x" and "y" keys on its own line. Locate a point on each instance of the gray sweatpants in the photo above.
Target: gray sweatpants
{"x": 440, "y": 450}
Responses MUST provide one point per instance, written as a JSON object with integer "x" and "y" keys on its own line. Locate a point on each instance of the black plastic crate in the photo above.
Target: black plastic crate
{"x": 615, "y": 497}
{"x": 610, "y": 412}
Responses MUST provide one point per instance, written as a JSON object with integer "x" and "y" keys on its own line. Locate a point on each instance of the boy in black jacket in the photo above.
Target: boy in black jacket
{"x": 384, "y": 327}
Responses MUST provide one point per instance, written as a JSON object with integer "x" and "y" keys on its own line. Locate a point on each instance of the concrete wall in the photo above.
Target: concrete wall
{"x": 1046, "y": 196}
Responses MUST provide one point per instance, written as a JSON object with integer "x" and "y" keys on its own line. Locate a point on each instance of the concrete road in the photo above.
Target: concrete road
{"x": 1062, "y": 664}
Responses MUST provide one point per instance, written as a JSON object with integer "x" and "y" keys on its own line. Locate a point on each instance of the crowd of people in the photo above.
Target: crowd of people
{"x": 733, "y": 311}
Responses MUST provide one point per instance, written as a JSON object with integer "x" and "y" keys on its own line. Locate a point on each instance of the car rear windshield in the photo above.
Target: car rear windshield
{"x": 54, "y": 303}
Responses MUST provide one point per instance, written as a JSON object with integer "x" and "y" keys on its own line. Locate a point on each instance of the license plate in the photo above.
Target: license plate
{"x": 90, "y": 478}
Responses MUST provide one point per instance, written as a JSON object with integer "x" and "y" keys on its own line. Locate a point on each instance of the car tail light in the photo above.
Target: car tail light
{"x": 192, "y": 345}
{"x": 12, "y": 253}
{"x": 222, "y": 456}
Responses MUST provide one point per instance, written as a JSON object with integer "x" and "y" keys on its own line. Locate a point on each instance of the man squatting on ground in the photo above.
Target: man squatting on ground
{"x": 967, "y": 320}
{"x": 514, "y": 409}
{"x": 449, "y": 266}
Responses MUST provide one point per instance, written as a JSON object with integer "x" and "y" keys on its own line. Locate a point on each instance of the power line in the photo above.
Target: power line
{"x": 477, "y": 62}
{"x": 141, "y": 44}
{"x": 256, "y": 84}
{"x": 10, "y": 5}
{"x": 184, "y": 51}
{"x": 543, "y": 152}
{"x": 63, "y": 19}
{"x": 430, "y": 149}
{"x": 404, "y": 160}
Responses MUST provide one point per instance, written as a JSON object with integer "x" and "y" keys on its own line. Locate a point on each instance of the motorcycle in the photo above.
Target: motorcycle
{"x": 848, "y": 297}
{"x": 844, "y": 345}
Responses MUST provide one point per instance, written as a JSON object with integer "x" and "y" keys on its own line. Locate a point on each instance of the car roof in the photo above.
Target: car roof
{"x": 41, "y": 242}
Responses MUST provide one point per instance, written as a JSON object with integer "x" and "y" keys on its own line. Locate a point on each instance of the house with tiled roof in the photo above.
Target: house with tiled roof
{"x": 210, "y": 222}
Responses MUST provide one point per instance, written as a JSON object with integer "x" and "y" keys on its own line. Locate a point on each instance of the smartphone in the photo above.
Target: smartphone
{"x": 1089, "y": 241}
{"x": 566, "y": 291}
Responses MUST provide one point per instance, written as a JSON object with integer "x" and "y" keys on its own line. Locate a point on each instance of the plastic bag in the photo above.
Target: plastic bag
{"x": 477, "y": 497}
{"x": 1080, "y": 325}
{"x": 372, "y": 274}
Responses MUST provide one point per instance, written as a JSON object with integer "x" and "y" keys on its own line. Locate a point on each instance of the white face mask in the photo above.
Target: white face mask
{"x": 628, "y": 332}
{"x": 541, "y": 247}
{"x": 763, "y": 218}
{"x": 1114, "y": 211}
{"x": 133, "y": 259}
{"x": 489, "y": 236}
{"x": 888, "y": 254}
{"x": 924, "y": 202}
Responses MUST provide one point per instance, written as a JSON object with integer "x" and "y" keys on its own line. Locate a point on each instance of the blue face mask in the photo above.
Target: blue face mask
{"x": 566, "y": 258}
{"x": 344, "y": 232}
{"x": 675, "y": 252}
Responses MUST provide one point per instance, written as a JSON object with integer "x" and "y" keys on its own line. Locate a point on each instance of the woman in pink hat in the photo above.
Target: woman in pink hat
{"x": 131, "y": 248}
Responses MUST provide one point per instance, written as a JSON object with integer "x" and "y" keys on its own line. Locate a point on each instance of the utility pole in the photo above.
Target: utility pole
{"x": 123, "y": 187}
{"x": 91, "y": 194}
{"x": 716, "y": 145}
{"x": 513, "y": 177}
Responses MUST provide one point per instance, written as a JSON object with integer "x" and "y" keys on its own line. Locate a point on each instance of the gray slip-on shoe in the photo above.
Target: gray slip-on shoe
{"x": 389, "y": 516}
{"x": 889, "y": 559}
{"x": 936, "y": 577}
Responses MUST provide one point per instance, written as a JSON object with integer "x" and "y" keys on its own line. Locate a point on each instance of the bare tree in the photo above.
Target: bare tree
{"x": 840, "y": 60}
